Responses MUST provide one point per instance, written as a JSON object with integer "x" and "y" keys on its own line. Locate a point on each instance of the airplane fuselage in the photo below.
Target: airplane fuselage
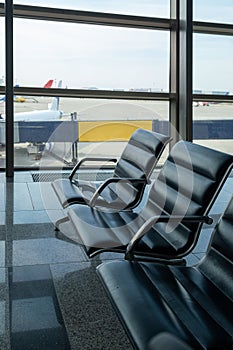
{"x": 45, "y": 115}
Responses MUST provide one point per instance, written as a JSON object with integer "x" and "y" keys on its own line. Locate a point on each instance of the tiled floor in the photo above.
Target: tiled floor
{"x": 50, "y": 296}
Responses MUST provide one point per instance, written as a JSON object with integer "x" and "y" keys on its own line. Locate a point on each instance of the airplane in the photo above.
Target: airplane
{"x": 23, "y": 98}
{"x": 48, "y": 84}
{"x": 52, "y": 113}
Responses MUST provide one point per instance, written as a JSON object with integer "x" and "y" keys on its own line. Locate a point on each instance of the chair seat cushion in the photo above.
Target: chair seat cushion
{"x": 102, "y": 229}
{"x": 68, "y": 193}
{"x": 178, "y": 300}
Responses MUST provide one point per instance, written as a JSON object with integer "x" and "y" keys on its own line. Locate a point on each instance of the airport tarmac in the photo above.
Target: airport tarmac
{"x": 103, "y": 110}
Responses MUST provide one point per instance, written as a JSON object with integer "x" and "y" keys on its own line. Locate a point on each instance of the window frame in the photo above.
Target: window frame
{"x": 181, "y": 28}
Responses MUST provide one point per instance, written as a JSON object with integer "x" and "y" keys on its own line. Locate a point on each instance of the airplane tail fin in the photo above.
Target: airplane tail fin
{"x": 55, "y": 103}
{"x": 54, "y": 106}
{"x": 48, "y": 84}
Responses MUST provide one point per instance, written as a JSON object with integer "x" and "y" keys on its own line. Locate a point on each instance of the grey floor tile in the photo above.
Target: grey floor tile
{"x": 3, "y": 286}
{"x": 90, "y": 320}
{"x": 30, "y": 217}
{"x": 23, "y": 177}
{"x": 2, "y": 232}
{"x": 43, "y": 196}
{"x": 2, "y": 318}
{"x": 26, "y": 231}
{"x": 105, "y": 334}
{"x": 4, "y": 345}
{"x": 39, "y": 307}
{"x": 2, "y": 254}
{"x": 2, "y": 275}
{"x": 45, "y": 251}
{"x": 37, "y": 216}
{"x": 22, "y": 198}
{"x": 2, "y": 217}
{"x": 2, "y": 196}
{"x": 2, "y": 177}
{"x": 18, "y": 197}
{"x": 4, "y": 312}
{"x": 36, "y": 321}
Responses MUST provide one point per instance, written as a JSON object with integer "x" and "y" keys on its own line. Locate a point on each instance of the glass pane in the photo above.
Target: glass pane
{"x": 212, "y": 64}
{"x": 80, "y": 127}
{"x": 2, "y": 97}
{"x": 89, "y": 56}
{"x": 155, "y": 8}
{"x": 213, "y": 125}
{"x": 2, "y": 51}
{"x": 213, "y": 11}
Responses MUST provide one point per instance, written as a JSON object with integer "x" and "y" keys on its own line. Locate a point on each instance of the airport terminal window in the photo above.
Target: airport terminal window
{"x": 212, "y": 63}
{"x": 91, "y": 57}
{"x": 2, "y": 51}
{"x": 98, "y": 54}
{"x": 213, "y": 125}
{"x": 212, "y": 121}
{"x": 158, "y": 8}
{"x": 213, "y": 11}
{"x": 2, "y": 95}
{"x": 88, "y": 127}
{"x": 212, "y": 75}
{"x": 134, "y": 58}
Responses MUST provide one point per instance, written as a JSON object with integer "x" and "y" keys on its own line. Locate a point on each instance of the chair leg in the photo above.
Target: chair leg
{"x": 59, "y": 222}
{"x": 62, "y": 237}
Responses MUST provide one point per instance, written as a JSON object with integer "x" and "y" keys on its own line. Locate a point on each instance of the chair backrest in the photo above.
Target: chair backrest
{"x": 137, "y": 161}
{"x": 187, "y": 185}
{"x": 141, "y": 154}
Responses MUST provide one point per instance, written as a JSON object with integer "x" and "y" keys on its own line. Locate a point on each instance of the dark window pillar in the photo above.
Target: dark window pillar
{"x": 9, "y": 104}
{"x": 181, "y": 68}
{"x": 186, "y": 69}
{"x": 174, "y": 71}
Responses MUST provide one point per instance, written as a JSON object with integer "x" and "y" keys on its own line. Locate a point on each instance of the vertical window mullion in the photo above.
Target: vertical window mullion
{"x": 185, "y": 69}
{"x": 174, "y": 72}
{"x": 9, "y": 105}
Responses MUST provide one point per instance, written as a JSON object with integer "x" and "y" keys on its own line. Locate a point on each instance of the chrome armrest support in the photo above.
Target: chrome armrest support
{"x": 114, "y": 180}
{"x": 90, "y": 159}
{"x": 163, "y": 218}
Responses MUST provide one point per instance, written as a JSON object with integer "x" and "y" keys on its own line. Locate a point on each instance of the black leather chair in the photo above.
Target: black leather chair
{"x": 169, "y": 224}
{"x": 193, "y": 304}
{"x": 125, "y": 188}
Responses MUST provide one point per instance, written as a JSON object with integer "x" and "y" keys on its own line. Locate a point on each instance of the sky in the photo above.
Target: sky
{"x": 117, "y": 58}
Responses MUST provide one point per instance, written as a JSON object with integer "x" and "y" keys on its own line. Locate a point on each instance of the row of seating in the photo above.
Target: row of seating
{"x": 191, "y": 304}
{"x": 152, "y": 290}
{"x": 178, "y": 203}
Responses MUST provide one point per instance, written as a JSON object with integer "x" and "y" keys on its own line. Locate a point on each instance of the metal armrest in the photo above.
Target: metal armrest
{"x": 90, "y": 159}
{"x": 114, "y": 180}
{"x": 84, "y": 186}
{"x": 163, "y": 218}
